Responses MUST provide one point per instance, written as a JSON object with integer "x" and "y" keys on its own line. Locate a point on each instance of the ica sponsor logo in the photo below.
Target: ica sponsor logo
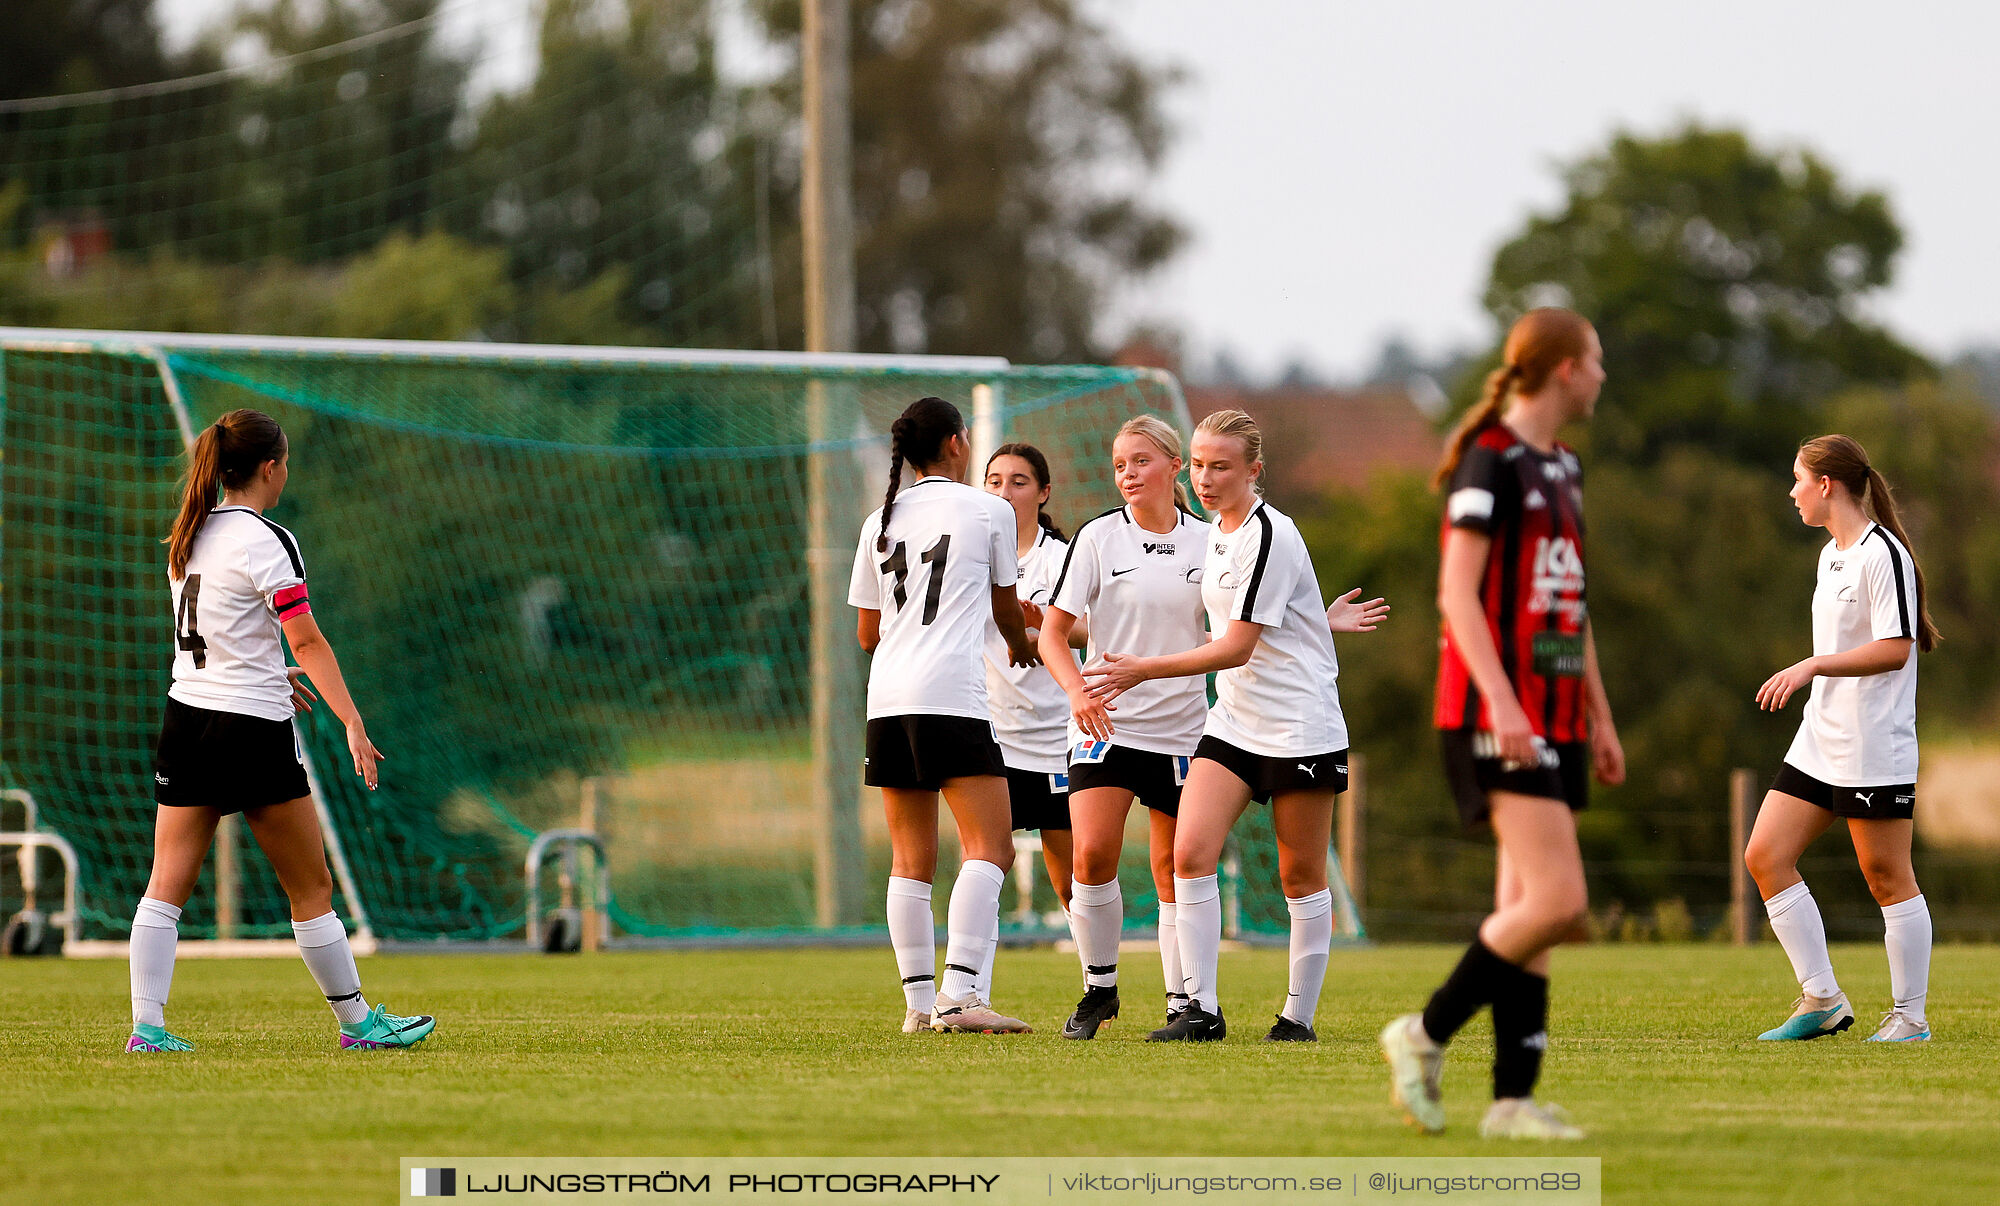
{"x": 1558, "y": 576}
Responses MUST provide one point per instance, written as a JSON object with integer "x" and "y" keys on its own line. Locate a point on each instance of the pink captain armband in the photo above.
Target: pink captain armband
{"x": 291, "y": 603}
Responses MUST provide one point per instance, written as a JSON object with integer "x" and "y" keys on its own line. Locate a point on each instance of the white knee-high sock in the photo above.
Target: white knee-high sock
{"x": 1198, "y": 918}
{"x": 913, "y": 935}
{"x": 156, "y": 931}
{"x": 1170, "y": 955}
{"x": 323, "y": 945}
{"x": 1312, "y": 939}
{"x": 1908, "y": 936}
{"x": 1796, "y": 921}
{"x": 1097, "y": 913}
{"x": 970, "y": 925}
{"x": 982, "y": 983}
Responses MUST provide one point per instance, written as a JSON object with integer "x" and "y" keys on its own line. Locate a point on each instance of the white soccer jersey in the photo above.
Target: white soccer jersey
{"x": 244, "y": 577}
{"x": 949, "y": 546}
{"x": 1030, "y": 711}
{"x": 1141, "y": 594}
{"x": 1862, "y": 732}
{"x": 1284, "y": 702}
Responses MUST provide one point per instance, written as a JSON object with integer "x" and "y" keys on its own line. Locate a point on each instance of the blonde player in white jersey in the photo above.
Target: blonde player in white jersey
{"x": 1029, "y": 710}
{"x": 1275, "y": 733}
{"x": 228, "y": 744}
{"x": 933, "y": 565}
{"x": 1134, "y": 573}
{"x": 1855, "y": 756}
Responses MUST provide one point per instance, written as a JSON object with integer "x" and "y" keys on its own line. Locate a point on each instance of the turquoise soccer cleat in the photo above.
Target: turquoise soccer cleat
{"x": 384, "y": 1029}
{"x": 1813, "y": 1017}
{"x": 154, "y": 1040}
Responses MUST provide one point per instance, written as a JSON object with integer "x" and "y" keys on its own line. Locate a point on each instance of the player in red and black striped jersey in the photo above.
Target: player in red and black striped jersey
{"x": 1528, "y": 504}
{"x": 1521, "y": 708}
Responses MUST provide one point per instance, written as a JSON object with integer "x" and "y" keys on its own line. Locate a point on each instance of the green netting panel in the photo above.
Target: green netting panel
{"x": 622, "y": 170}
{"x": 535, "y": 573}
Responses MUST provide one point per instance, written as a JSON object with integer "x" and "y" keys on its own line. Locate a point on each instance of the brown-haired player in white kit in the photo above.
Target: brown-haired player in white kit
{"x": 228, "y": 743}
{"x": 933, "y": 566}
{"x": 1855, "y": 756}
{"x": 1275, "y": 734}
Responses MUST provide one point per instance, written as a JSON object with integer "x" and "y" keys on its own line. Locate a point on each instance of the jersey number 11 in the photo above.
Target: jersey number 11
{"x": 899, "y": 565}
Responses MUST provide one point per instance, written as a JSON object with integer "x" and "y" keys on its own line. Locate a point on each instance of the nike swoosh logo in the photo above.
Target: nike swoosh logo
{"x": 1115, "y": 573}
{"x": 414, "y": 1023}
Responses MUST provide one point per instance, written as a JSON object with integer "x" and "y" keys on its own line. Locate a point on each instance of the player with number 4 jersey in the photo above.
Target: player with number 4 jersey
{"x": 228, "y": 743}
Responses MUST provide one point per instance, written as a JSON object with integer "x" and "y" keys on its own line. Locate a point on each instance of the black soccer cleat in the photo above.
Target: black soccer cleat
{"x": 1285, "y": 1030}
{"x": 1098, "y": 1007}
{"x": 1191, "y": 1025}
{"x": 1176, "y": 1001}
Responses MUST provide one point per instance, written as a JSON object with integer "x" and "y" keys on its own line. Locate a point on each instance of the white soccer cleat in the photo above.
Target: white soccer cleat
{"x": 1526, "y": 1118}
{"x": 970, "y": 1015}
{"x": 915, "y": 1021}
{"x": 1416, "y": 1070}
{"x": 1899, "y": 1027}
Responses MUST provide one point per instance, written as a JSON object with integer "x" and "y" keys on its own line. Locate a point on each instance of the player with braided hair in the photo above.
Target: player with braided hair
{"x": 934, "y": 566}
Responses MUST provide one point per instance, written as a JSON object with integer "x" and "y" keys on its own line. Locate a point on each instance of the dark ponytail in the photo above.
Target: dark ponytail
{"x": 225, "y": 456}
{"x": 1040, "y": 464}
{"x": 918, "y": 436}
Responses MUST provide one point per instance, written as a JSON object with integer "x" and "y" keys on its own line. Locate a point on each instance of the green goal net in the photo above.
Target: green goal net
{"x": 550, "y": 574}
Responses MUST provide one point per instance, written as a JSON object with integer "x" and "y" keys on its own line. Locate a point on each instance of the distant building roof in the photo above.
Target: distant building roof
{"x": 1319, "y": 440}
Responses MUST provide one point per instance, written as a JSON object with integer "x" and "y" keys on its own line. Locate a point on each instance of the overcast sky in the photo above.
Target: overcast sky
{"x": 1347, "y": 169}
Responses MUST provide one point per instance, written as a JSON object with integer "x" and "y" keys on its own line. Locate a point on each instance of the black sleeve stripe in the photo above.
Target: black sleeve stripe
{"x": 1075, "y": 539}
{"x": 1257, "y": 575}
{"x": 291, "y": 549}
{"x": 1896, "y": 566}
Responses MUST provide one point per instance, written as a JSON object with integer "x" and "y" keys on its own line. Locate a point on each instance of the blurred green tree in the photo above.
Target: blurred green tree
{"x": 1727, "y": 281}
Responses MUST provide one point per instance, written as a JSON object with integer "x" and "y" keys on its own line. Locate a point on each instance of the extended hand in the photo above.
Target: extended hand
{"x": 1778, "y": 688}
{"x": 1348, "y": 616}
{"x": 302, "y": 694}
{"x": 1113, "y": 674}
{"x": 1090, "y": 716}
{"x": 364, "y": 753}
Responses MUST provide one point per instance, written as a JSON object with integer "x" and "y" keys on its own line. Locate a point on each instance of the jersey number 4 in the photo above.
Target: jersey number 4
{"x": 185, "y": 635}
{"x": 899, "y": 565}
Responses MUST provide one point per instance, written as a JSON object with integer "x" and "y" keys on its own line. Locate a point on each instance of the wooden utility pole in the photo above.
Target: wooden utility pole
{"x": 1352, "y": 833}
{"x": 1742, "y": 811}
{"x": 828, "y": 204}
{"x": 827, "y": 215}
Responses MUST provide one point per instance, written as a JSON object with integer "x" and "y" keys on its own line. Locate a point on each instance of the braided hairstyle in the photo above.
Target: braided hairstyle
{"x": 1040, "y": 465}
{"x": 1537, "y": 344}
{"x": 918, "y": 436}
{"x": 1844, "y": 460}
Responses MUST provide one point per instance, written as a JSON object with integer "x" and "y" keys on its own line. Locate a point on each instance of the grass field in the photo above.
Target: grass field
{"x": 795, "y": 1053}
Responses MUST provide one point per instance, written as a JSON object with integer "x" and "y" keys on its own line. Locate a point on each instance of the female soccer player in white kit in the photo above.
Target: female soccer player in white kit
{"x": 1275, "y": 733}
{"x": 933, "y": 564}
{"x": 1134, "y": 573}
{"x": 1028, "y": 707}
{"x": 1855, "y": 756}
{"x": 228, "y": 744}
